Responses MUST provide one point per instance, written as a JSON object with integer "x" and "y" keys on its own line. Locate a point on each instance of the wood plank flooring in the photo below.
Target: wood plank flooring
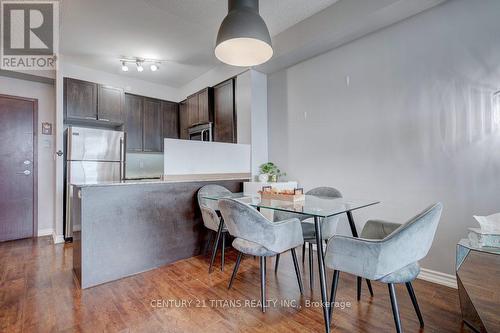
{"x": 38, "y": 293}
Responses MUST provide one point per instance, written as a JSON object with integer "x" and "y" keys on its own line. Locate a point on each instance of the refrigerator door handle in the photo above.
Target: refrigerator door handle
{"x": 122, "y": 159}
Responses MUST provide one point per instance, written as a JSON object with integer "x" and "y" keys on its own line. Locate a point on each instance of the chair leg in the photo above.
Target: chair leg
{"x": 214, "y": 251}
{"x": 359, "y": 280}
{"x": 370, "y": 289}
{"x": 303, "y": 252}
{"x": 235, "y": 270}
{"x": 277, "y": 263}
{"x": 395, "y": 309}
{"x": 223, "y": 251}
{"x": 311, "y": 271}
{"x": 335, "y": 282}
{"x": 297, "y": 271}
{"x": 263, "y": 283}
{"x": 209, "y": 241}
{"x": 415, "y": 303}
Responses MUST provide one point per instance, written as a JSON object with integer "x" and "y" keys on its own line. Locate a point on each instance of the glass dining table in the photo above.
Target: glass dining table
{"x": 316, "y": 207}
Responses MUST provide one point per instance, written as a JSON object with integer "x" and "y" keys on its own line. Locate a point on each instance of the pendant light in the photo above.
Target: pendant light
{"x": 243, "y": 38}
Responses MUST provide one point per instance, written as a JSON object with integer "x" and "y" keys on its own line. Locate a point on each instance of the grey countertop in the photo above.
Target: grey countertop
{"x": 156, "y": 181}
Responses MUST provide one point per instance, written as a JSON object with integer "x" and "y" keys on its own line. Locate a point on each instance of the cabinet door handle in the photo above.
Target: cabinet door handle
{"x": 102, "y": 119}
{"x": 91, "y": 118}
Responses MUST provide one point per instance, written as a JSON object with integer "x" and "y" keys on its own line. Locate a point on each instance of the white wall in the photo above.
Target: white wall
{"x": 416, "y": 124}
{"x": 45, "y": 94}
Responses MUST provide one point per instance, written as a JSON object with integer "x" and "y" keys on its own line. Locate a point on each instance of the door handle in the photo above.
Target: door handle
{"x": 27, "y": 162}
{"x": 25, "y": 172}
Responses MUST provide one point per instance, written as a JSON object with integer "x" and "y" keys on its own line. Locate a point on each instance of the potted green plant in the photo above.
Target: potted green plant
{"x": 272, "y": 171}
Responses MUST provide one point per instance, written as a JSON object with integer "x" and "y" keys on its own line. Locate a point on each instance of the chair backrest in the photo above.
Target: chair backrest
{"x": 209, "y": 207}
{"x": 415, "y": 237}
{"x": 244, "y": 221}
{"x": 328, "y": 192}
{"x": 208, "y": 190}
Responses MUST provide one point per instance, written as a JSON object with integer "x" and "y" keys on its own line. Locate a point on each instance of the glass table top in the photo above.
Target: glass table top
{"x": 312, "y": 205}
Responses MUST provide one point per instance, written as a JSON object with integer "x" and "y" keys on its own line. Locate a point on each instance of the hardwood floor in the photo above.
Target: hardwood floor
{"x": 38, "y": 293}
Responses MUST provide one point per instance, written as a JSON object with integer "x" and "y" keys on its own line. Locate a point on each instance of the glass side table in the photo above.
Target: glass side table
{"x": 478, "y": 279}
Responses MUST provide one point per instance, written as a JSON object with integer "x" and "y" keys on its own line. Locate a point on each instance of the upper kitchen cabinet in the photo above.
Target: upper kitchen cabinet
{"x": 80, "y": 100}
{"x": 110, "y": 104}
{"x": 224, "y": 112}
{"x": 153, "y": 125}
{"x": 134, "y": 108}
{"x": 192, "y": 110}
{"x": 183, "y": 120}
{"x": 170, "y": 112}
{"x": 204, "y": 105}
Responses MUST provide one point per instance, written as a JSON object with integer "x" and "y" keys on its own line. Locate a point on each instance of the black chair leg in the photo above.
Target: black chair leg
{"x": 395, "y": 309}
{"x": 369, "y": 284}
{"x": 335, "y": 282}
{"x": 303, "y": 252}
{"x": 209, "y": 241}
{"x": 214, "y": 251}
{"x": 277, "y": 263}
{"x": 263, "y": 283}
{"x": 359, "y": 280}
{"x": 223, "y": 251}
{"x": 415, "y": 303}
{"x": 311, "y": 271}
{"x": 235, "y": 270}
{"x": 297, "y": 271}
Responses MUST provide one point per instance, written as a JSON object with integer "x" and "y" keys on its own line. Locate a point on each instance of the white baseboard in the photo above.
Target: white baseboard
{"x": 438, "y": 277}
{"x": 58, "y": 239}
{"x": 45, "y": 232}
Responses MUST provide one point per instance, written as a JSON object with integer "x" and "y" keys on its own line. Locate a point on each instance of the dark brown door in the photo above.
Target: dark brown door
{"x": 110, "y": 104}
{"x": 183, "y": 120}
{"x": 153, "y": 136}
{"x": 192, "y": 110}
{"x": 17, "y": 169}
{"x": 224, "y": 115}
{"x": 204, "y": 106}
{"x": 133, "y": 124}
{"x": 170, "y": 112}
{"x": 80, "y": 99}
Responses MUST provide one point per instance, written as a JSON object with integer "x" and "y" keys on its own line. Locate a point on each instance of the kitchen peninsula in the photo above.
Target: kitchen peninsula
{"x": 130, "y": 227}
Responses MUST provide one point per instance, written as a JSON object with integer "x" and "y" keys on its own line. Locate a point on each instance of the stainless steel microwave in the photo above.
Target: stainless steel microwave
{"x": 201, "y": 132}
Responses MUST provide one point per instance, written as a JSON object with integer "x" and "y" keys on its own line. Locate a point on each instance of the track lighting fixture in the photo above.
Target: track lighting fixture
{"x": 153, "y": 64}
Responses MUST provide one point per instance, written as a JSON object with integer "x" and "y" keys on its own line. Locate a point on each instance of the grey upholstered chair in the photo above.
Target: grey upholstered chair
{"x": 256, "y": 235}
{"x": 212, "y": 221}
{"x": 386, "y": 252}
{"x": 328, "y": 227}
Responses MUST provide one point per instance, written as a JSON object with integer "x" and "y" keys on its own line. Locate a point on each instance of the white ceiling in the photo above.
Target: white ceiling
{"x": 96, "y": 33}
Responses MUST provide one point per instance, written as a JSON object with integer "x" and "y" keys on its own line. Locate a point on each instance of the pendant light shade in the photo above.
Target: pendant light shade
{"x": 243, "y": 38}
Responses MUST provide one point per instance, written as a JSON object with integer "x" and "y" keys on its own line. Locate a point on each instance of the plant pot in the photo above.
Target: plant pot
{"x": 263, "y": 178}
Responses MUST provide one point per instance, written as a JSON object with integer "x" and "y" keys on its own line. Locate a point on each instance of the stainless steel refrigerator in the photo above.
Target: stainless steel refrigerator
{"x": 92, "y": 156}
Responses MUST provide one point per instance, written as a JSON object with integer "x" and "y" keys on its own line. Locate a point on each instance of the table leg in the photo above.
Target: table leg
{"x": 216, "y": 244}
{"x": 355, "y": 234}
{"x": 322, "y": 273}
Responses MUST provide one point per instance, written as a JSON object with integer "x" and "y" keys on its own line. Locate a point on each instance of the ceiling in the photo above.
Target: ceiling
{"x": 96, "y": 33}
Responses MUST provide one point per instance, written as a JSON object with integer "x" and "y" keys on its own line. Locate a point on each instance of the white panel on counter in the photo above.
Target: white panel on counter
{"x": 185, "y": 157}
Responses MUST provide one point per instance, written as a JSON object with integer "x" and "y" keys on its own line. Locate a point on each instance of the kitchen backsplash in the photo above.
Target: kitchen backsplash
{"x": 144, "y": 165}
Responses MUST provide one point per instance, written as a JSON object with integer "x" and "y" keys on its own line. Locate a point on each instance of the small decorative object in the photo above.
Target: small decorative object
{"x": 263, "y": 178}
{"x": 269, "y": 193}
{"x": 272, "y": 171}
{"x": 489, "y": 224}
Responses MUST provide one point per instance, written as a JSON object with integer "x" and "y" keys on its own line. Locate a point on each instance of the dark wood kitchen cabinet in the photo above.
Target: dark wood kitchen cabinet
{"x": 200, "y": 106}
{"x": 183, "y": 120}
{"x": 170, "y": 112}
{"x": 153, "y": 125}
{"x": 192, "y": 110}
{"x": 133, "y": 122}
{"x": 224, "y": 112}
{"x": 80, "y": 100}
{"x": 110, "y": 104}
